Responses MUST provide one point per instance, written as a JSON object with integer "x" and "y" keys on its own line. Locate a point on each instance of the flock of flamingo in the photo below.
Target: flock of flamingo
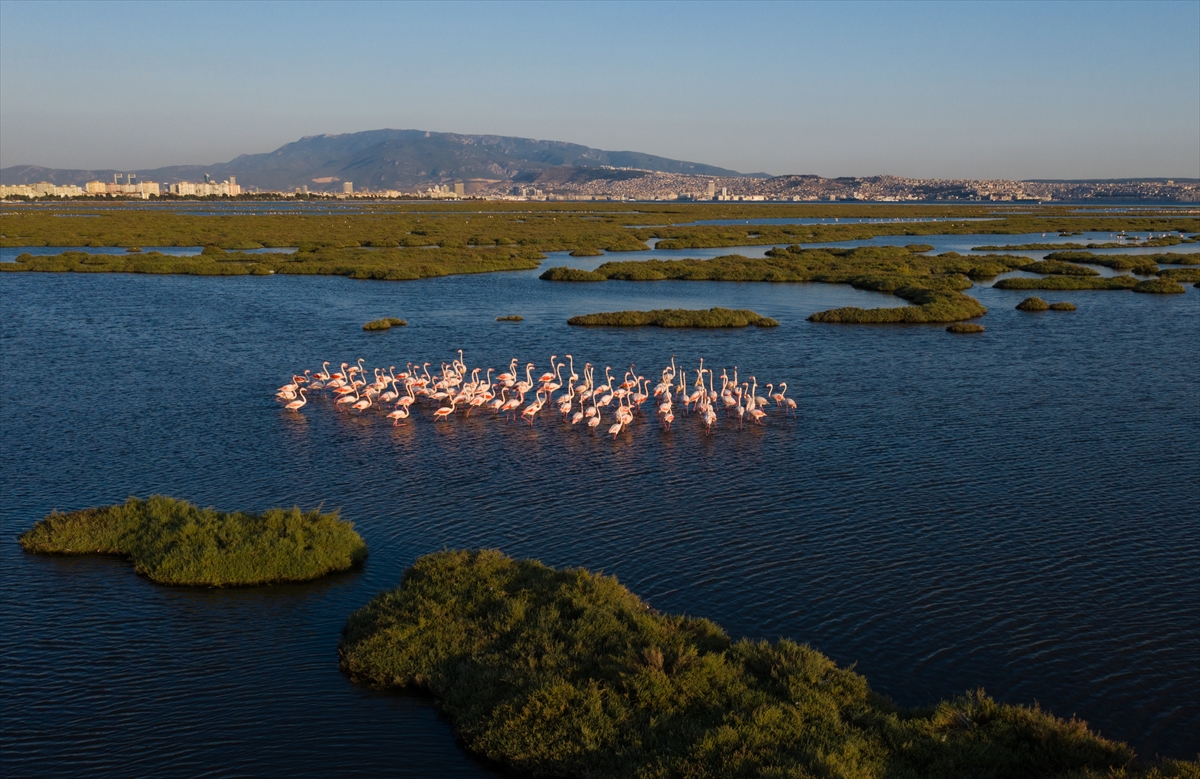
{"x": 580, "y": 398}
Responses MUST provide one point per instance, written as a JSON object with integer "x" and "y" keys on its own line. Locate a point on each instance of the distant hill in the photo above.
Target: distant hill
{"x": 389, "y": 159}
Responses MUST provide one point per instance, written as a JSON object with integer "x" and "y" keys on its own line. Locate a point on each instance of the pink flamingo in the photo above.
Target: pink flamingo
{"x": 296, "y": 404}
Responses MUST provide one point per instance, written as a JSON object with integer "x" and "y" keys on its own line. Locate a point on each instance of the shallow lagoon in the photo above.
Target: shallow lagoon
{"x": 1014, "y": 510}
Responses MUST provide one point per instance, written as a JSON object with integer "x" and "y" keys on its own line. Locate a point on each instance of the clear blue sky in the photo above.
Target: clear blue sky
{"x": 970, "y": 89}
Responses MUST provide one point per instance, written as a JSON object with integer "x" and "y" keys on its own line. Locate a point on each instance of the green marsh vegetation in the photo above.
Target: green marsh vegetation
{"x": 383, "y": 264}
{"x": 1033, "y": 304}
{"x": 1143, "y": 264}
{"x": 534, "y": 227}
{"x": 933, "y": 284}
{"x": 1068, "y": 283}
{"x": 1062, "y": 306}
{"x": 1159, "y": 287}
{"x": 1180, "y": 274}
{"x": 587, "y": 253}
{"x": 512, "y": 318}
{"x": 386, "y": 323}
{"x": 1170, "y": 240}
{"x": 675, "y": 317}
{"x": 567, "y": 673}
{"x": 964, "y": 328}
{"x": 708, "y": 236}
{"x": 563, "y": 273}
{"x": 175, "y": 542}
{"x": 1058, "y": 268}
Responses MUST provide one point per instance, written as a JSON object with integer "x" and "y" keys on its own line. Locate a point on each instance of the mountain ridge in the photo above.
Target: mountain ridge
{"x": 387, "y": 159}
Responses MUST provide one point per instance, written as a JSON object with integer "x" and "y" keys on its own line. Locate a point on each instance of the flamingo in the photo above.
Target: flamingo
{"x": 397, "y": 415}
{"x": 445, "y": 411}
{"x": 296, "y": 404}
{"x": 533, "y": 408}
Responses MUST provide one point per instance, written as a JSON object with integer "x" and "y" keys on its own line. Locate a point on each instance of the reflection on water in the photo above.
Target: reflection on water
{"x": 1014, "y": 510}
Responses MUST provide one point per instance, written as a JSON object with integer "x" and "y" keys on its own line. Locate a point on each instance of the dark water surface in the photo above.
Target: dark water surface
{"x": 1017, "y": 510}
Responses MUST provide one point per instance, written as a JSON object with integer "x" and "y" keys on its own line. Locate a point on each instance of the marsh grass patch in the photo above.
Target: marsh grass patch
{"x": 175, "y": 542}
{"x": 386, "y": 323}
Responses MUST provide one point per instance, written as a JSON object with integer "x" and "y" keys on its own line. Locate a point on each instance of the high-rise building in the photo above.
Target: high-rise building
{"x": 348, "y": 188}
{"x": 459, "y": 190}
{"x": 712, "y": 189}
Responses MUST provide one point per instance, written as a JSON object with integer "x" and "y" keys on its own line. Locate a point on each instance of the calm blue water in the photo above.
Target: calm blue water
{"x": 1016, "y": 510}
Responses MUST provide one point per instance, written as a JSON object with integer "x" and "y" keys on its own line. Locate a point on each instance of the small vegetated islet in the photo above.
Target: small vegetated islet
{"x": 1033, "y": 304}
{"x": 1062, "y": 283}
{"x": 386, "y": 323}
{"x": 512, "y": 318}
{"x": 964, "y": 328}
{"x": 1058, "y": 268}
{"x": 1159, "y": 287}
{"x": 676, "y": 317}
{"x": 571, "y": 274}
{"x": 1062, "y": 306}
{"x": 567, "y": 673}
{"x": 175, "y": 542}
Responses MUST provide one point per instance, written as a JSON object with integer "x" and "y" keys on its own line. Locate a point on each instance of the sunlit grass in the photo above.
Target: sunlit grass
{"x": 1159, "y": 287}
{"x": 564, "y": 273}
{"x": 1068, "y": 283}
{"x": 567, "y": 673}
{"x": 676, "y": 317}
{"x": 1058, "y": 268}
{"x": 1033, "y": 304}
{"x": 175, "y": 542}
{"x": 384, "y": 324}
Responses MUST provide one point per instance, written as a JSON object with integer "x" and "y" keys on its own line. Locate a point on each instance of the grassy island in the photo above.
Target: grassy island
{"x": 1062, "y": 306}
{"x": 1033, "y": 304}
{"x": 563, "y": 273}
{"x": 387, "y": 323}
{"x": 676, "y": 317}
{"x": 1170, "y": 240}
{"x": 964, "y": 328}
{"x": 175, "y": 542}
{"x": 933, "y": 283}
{"x": 382, "y": 264}
{"x": 587, "y": 253}
{"x": 1185, "y": 275}
{"x": 1058, "y": 268}
{"x": 567, "y": 673}
{"x": 1159, "y": 287}
{"x": 512, "y": 318}
{"x": 1068, "y": 283}
{"x": 1143, "y": 264}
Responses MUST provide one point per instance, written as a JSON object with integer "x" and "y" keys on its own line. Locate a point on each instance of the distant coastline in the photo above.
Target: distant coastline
{"x": 449, "y": 166}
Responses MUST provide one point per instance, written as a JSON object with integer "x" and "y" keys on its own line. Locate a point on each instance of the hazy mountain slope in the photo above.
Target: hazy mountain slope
{"x": 382, "y": 159}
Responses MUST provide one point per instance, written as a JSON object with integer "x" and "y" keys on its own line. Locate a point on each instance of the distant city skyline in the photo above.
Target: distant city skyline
{"x": 1008, "y": 90}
